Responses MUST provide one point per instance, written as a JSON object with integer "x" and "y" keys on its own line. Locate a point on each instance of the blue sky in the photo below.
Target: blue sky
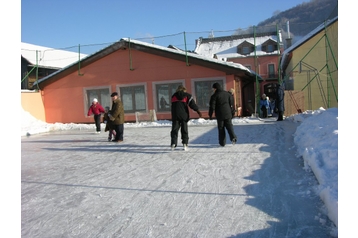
{"x": 65, "y": 23}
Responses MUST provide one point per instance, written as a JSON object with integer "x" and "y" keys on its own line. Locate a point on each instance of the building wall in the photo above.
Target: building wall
{"x": 316, "y": 54}
{"x": 32, "y": 103}
{"x": 65, "y": 100}
{"x": 262, "y": 63}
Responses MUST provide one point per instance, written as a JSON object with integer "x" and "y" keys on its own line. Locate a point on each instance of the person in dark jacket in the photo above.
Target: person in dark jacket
{"x": 117, "y": 117}
{"x": 96, "y": 109}
{"x": 221, "y": 103}
{"x": 181, "y": 100}
{"x": 280, "y": 103}
{"x": 109, "y": 127}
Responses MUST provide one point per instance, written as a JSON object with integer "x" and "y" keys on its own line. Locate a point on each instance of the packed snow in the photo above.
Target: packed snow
{"x": 315, "y": 139}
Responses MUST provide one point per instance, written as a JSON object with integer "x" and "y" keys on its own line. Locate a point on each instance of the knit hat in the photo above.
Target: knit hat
{"x": 95, "y": 100}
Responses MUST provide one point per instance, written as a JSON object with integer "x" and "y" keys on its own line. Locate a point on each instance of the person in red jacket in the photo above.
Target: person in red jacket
{"x": 96, "y": 109}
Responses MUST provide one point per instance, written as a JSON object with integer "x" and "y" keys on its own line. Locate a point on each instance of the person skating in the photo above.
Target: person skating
{"x": 180, "y": 101}
{"x": 221, "y": 103}
{"x": 96, "y": 109}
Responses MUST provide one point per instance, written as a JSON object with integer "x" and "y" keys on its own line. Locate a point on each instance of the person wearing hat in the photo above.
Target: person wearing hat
{"x": 221, "y": 102}
{"x": 181, "y": 101}
{"x": 96, "y": 109}
{"x": 117, "y": 117}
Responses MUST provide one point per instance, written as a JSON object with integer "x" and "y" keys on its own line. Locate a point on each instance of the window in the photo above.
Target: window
{"x": 271, "y": 70}
{"x": 102, "y": 95}
{"x": 133, "y": 98}
{"x": 203, "y": 92}
{"x": 248, "y": 66}
{"x": 164, "y": 94}
{"x": 289, "y": 84}
{"x": 245, "y": 50}
{"x": 270, "y": 48}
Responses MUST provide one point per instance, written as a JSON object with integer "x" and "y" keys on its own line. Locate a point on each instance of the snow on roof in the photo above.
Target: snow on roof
{"x": 194, "y": 55}
{"x": 228, "y": 48}
{"x": 48, "y": 57}
{"x": 176, "y": 51}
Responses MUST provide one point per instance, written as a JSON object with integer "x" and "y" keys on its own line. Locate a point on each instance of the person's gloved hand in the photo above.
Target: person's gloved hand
{"x": 199, "y": 113}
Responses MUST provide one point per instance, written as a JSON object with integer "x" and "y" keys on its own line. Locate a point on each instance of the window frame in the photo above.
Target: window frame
{"x": 243, "y": 50}
{"x": 211, "y": 81}
{"x": 269, "y": 73}
{"x": 88, "y": 99}
{"x": 156, "y": 99}
{"x": 120, "y": 96}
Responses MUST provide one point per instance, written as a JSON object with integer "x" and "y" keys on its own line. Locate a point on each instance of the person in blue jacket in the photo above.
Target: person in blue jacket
{"x": 264, "y": 105}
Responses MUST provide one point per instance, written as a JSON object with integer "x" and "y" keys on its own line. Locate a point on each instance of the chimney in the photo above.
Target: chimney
{"x": 198, "y": 41}
{"x": 289, "y": 39}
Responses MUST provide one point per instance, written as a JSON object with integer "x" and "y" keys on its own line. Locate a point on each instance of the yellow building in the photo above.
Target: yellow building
{"x": 310, "y": 68}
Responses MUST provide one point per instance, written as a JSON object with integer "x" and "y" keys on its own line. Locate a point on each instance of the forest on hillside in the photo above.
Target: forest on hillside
{"x": 302, "y": 19}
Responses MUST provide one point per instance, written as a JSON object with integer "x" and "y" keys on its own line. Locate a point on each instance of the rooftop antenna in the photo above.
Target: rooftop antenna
{"x": 211, "y": 35}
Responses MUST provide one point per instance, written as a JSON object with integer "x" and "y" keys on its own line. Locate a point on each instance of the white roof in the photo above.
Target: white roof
{"x": 49, "y": 57}
{"x": 224, "y": 49}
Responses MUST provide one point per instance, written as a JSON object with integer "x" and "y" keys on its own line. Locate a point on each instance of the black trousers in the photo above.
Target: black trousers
{"x": 264, "y": 112}
{"x": 280, "y": 116}
{"x": 222, "y": 125}
{"x": 119, "y": 131}
{"x": 183, "y": 126}
{"x": 97, "y": 121}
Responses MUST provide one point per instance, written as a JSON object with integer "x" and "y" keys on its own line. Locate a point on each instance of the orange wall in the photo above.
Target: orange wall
{"x": 64, "y": 99}
{"x": 262, "y": 63}
{"x": 32, "y": 103}
{"x": 262, "y": 67}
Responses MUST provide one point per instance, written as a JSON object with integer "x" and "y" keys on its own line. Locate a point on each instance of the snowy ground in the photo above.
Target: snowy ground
{"x": 76, "y": 184}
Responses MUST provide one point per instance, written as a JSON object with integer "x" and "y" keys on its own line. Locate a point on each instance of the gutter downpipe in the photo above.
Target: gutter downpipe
{"x": 37, "y": 69}
{"x": 130, "y": 54}
{"x": 79, "y": 60}
{"x": 186, "y": 52}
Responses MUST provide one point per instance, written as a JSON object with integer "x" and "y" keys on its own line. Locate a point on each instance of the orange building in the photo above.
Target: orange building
{"x": 143, "y": 74}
